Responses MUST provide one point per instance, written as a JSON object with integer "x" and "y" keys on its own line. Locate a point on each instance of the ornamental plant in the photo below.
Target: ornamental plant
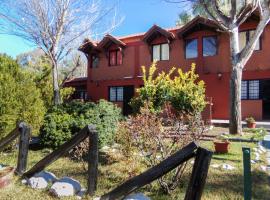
{"x": 182, "y": 90}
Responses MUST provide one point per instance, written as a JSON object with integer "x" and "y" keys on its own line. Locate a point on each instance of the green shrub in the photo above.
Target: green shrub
{"x": 20, "y": 99}
{"x": 65, "y": 120}
{"x": 182, "y": 90}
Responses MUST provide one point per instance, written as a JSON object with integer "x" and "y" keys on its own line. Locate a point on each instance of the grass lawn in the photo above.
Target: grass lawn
{"x": 113, "y": 169}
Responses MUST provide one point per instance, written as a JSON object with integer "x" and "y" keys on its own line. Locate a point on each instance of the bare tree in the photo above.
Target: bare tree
{"x": 57, "y": 26}
{"x": 229, "y": 18}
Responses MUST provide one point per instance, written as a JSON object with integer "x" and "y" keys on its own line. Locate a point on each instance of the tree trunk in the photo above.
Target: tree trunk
{"x": 56, "y": 90}
{"x": 235, "y": 85}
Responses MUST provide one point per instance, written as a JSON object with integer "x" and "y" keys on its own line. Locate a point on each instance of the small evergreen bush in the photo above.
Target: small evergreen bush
{"x": 64, "y": 121}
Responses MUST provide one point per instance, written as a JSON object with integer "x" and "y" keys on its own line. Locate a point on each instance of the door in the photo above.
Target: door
{"x": 265, "y": 96}
{"x": 128, "y": 94}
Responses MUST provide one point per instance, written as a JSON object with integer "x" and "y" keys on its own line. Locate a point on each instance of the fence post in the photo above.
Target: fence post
{"x": 92, "y": 160}
{"x": 199, "y": 174}
{"x": 247, "y": 173}
{"x": 25, "y": 133}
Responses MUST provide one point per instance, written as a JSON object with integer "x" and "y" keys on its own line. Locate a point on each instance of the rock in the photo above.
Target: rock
{"x": 215, "y": 165}
{"x": 65, "y": 187}
{"x": 96, "y": 198}
{"x": 257, "y": 154}
{"x": 81, "y": 193}
{"x": 263, "y": 167}
{"x": 41, "y": 180}
{"x": 227, "y": 167}
{"x": 138, "y": 196}
{"x": 252, "y": 162}
{"x": 262, "y": 148}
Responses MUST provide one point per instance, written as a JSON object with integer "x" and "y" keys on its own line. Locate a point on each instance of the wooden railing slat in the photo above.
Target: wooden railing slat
{"x": 153, "y": 173}
{"x": 25, "y": 133}
{"x": 9, "y": 138}
{"x": 199, "y": 174}
{"x": 59, "y": 152}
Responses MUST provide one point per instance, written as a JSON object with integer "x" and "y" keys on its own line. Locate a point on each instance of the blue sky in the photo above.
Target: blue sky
{"x": 140, "y": 15}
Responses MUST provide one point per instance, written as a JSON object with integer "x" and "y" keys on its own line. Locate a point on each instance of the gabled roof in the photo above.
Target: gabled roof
{"x": 156, "y": 31}
{"x": 196, "y": 24}
{"x": 108, "y": 40}
{"x": 88, "y": 46}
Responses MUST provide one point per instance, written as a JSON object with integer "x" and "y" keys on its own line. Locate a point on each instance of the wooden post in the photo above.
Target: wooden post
{"x": 92, "y": 161}
{"x": 152, "y": 174}
{"x": 59, "y": 152}
{"x": 9, "y": 138}
{"x": 199, "y": 174}
{"x": 25, "y": 133}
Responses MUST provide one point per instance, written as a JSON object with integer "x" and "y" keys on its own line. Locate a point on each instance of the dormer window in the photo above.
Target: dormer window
{"x": 94, "y": 61}
{"x": 209, "y": 46}
{"x": 245, "y": 36}
{"x": 160, "y": 52}
{"x": 191, "y": 48}
{"x": 115, "y": 57}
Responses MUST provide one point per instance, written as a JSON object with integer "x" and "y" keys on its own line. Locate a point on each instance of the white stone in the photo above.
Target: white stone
{"x": 257, "y": 154}
{"x": 262, "y": 148}
{"x": 215, "y": 165}
{"x": 255, "y": 149}
{"x": 252, "y": 162}
{"x": 96, "y": 198}
{"x": 41, "y": 180}
{"x": 65, "y": 187}
{"x": 257, "y": 158}
{"x": 263, "y": 167}
{"x": 24, "y": 181}
{"x": 227, "y": 167}
{"x": 138, "y": 196}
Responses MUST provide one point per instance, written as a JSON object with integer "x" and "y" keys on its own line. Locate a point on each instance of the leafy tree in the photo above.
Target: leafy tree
{"x": 20, "y": 99}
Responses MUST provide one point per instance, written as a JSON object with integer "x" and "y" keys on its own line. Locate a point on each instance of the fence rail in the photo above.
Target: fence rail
{"x": 197, "y": 181}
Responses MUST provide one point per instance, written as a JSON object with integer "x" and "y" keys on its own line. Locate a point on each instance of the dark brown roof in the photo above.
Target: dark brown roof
{"x": 88, "y": 45}
{"x": 156, "y": 31}
{"x": 109, "y": 40}
{"x": 198, "y": 23}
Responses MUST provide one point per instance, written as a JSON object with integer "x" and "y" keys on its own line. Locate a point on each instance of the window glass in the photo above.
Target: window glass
{"x": 119, "y": 57}
{"x": 192, "y": 48}
{"x": 95, "y": 61}
{"x": 116, "y": 93}
{"x": 165, "y": 55}
{"x": 120, "y": 93}
{"x": 257, "y": 47}
{"x": 254, "y": 89}
{"x": 112, "y": 58}
{"x": 209, "y": 46}
{"x": 244, "y": 90}
{"x": 112, "y": 93}
{"x": 156, "y": 52}
{"x": 242, "y": 40}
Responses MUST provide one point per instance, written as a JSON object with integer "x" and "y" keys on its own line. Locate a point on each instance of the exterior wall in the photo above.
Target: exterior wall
{"x": 137, "y": 53}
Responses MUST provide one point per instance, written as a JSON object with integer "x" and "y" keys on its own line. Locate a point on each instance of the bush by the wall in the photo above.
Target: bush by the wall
{"x": 182, "y": 90}
{"x": 65, "y": 120}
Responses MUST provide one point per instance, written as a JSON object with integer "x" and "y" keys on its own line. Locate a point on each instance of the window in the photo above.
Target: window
{"x": 191, "y": 48}
{"x": 245, "y": 36}
{"x": 209, "y": 46}
{"x": 160, "y": 52}
{"x": 94, "y": 61}
{"x": 116, "y": 93}
{"x": 115, "y": 58}
{"x": 250, "y": 89}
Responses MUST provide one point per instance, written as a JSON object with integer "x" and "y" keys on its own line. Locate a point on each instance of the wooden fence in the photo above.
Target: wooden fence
{"x": 195, "y": 186}
{"x": 23, "y": 132}
{"x": 197, "y": 180}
